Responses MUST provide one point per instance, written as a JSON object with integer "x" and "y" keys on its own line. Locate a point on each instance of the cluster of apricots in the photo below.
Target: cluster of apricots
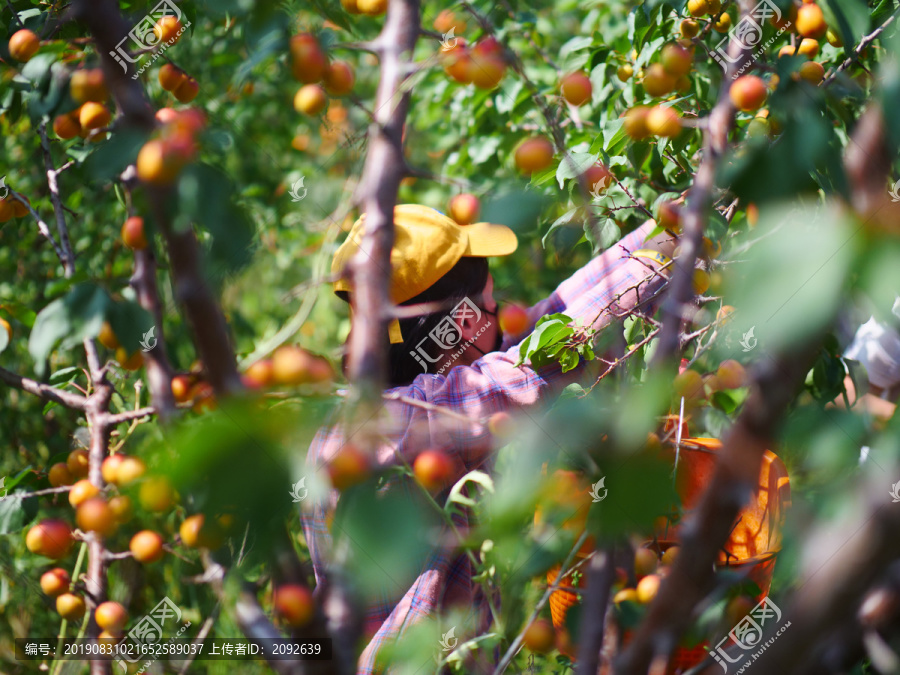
{"x": 311, "y": 66}
{"x": 88, "y": 88}
{"x": 162, "y": 158}
{"x": 290, "y": 366}
{"x": 695, "y": 387}
{"x": 650, "y": 566}
{"x": 101, "y": 511}
{"x": 482, "y": 64}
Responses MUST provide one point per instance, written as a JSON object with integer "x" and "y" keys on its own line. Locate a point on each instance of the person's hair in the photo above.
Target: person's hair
{"x": 467, "y": 278}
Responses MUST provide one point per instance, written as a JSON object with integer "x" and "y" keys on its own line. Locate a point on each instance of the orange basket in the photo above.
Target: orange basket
{"x": 751, "y": 548}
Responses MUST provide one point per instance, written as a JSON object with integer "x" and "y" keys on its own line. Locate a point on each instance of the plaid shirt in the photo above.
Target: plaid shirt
{"x": 489, "y": 385}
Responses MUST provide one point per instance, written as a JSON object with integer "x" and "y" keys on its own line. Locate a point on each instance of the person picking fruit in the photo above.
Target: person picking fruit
{"x": 457, "y": 357}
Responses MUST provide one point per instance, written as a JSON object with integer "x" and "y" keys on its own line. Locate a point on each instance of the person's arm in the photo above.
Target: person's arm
{"x": 493, "y": 383}
{"x": 877, "y": 407}
{"x": 594, "y": 272}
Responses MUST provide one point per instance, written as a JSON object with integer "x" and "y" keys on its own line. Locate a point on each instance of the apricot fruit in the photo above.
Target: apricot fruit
{"x": 464, "y": 208}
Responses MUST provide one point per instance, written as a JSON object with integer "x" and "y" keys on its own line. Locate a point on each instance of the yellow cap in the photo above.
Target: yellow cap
{"x": 427, "y": 244}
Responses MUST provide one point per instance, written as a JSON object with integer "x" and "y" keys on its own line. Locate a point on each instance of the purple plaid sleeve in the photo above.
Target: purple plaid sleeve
{"x": 604, "y": 289}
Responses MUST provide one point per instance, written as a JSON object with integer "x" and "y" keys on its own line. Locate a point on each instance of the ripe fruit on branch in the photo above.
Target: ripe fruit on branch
{"x": 701, "y": 281}
{"x": 51, "y": 538}
{"x": 539, "y": 636}
{"x": 447, "y": 20}
{"x": 688, "y": 384}
{"x": 624, "y": 72}
{"x": 748, "y": 93}
{"x": 111, "y": 616}
{"x": 167, "y": 29}
{"x": 171, "y": 76}
{"x": 731, "y": 374}
{"x": 576, "y": 88}
{"x": 433, "y": 469}
{"x": 647, "y": 588}
{"x": 657, "y": 81}
{"x": 23, "y": 45}
{"x": 308, "y": 61}
{"x": 93, "y": 115}
{"x": 110, "y": 467}
{"x": 77, "y": 461}
{"x": 834, "y": 39}
{"x": 339, "y": 78}
{"x": 198, "y": 532}
{"x": 534, "y": 154}
{"x": 258, "y": 375}
{"x": 668, "y": 216}
{"x": 108, "y": 337}
{"x": 121, "y": 508}
{"x": 723, "y": 23}
{"x": 128, "y": 361}
{"x": 485, "y": 68}
{"x": 689, "y": 28}
{"x": 645, "y": 562}
{"x": 181, "y": 387}
{"x": 156, "y": 494}
{"x": 70, "y": 606}
{"x": 676, "y": 60}
{"x": 464, "y": 208}
{"x": 59, "y": 475}
{"x": 292, "y": 365}
{"x": 811, "y": 21}
{"x": 146, "y": 546}
{"x": 129, "y": 470}
{"x": 348, "y": 467}
{"x": 294, "y": 604}
{"x": 310, "y": 99}
{"x": 598, "y": 178}
{"x": 808, "y": 47}
{"x": 636, "y": 122}
{"x": 513, "y": 319}
{"x": 669, "y": 556}
{"x": 94, "y": 515}
{"x": 697, "y": 7}
{"x": 82, "y": 491}
{"x": 88, "y": 85}
{"x": 160, "y": 160}
{"x": 133, "y": 233}
{"x": 372, "y": 7}
{"x": 66, "y": 126}
{"x": 812, "y": 72}
{"x": 663, "y": 121}
{"x": 55, "y": 582}
{"x": 187, "y": 90}
{"x": 625, "y": 595}
{"x": 456, "y": 61}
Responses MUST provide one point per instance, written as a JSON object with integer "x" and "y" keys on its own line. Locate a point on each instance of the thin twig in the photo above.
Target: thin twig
{"x": 68, "y": 259}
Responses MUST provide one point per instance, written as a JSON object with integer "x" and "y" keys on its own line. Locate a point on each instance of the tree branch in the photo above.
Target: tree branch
{"x": 45, "y": 391}
{"x": 68, "y": 257}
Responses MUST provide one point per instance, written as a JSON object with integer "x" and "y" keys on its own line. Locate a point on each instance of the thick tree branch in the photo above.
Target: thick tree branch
{"x": 698, "y": 202}
{"x": 600, "y": 576}
{"x": 44, "y": 391}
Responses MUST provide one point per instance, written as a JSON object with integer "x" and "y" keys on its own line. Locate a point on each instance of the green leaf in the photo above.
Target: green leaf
{"x": 16, "y": 513}
{"x": 574, "y": 45}
{"x": 67, "y": 320}
{"x": 112, "y": 156}
{"x": 574, "y": 165}
{"x": 130, "y": 322}
{"x": 548, "y": 330}
{"x": 478, "y": 477}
